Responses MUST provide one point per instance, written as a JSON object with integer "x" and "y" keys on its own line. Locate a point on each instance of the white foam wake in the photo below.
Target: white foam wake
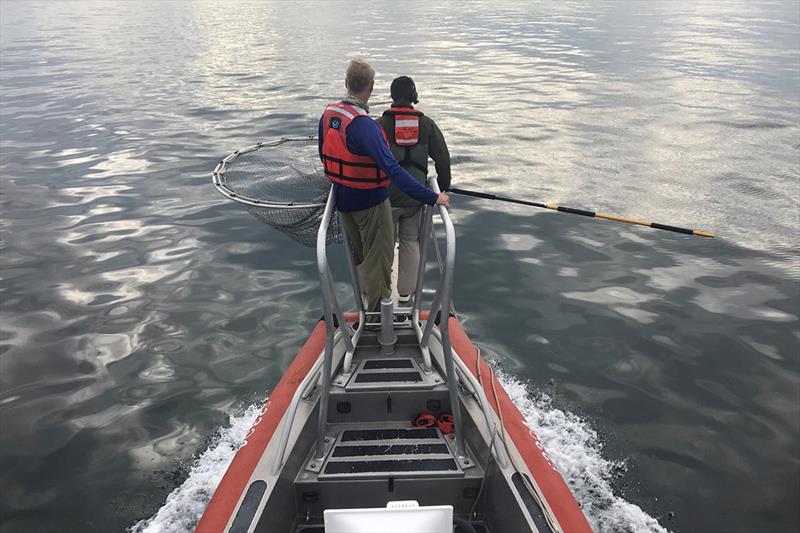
{"x": 573, "y": 446}
{"x": 185, "y": 504}
{"x": 570, "y": 442}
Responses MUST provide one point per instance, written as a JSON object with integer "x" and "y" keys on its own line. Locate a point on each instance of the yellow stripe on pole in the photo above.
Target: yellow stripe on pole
{"x": 703, "y": 233}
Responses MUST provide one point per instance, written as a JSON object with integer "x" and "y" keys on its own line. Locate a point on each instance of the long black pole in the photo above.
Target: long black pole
{"x": 583, "y": 212}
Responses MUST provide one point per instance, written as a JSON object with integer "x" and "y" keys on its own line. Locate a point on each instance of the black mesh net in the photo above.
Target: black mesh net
{"x": 281, "y": 184}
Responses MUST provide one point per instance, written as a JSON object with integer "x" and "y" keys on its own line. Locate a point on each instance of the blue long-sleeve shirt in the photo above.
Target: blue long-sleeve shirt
{"x": 364, "y": 138}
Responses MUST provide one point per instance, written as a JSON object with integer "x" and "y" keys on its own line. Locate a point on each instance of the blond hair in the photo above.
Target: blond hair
{"x": 359, "y": 76}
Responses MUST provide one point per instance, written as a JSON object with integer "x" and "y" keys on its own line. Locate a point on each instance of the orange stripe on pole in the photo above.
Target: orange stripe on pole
{"x": 622, "y": 219}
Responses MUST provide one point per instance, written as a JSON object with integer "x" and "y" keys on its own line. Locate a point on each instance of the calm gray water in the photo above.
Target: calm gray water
{"x": 140, "y": 309}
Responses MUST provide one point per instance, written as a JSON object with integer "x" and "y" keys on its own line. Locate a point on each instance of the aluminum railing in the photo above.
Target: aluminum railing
{"x": 441, "y": 305}
{"x": 331, "y": 307}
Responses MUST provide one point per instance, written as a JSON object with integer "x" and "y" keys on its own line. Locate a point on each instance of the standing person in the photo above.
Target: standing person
{"x": 413, "y": 137}
{"x": 356, "y": 157}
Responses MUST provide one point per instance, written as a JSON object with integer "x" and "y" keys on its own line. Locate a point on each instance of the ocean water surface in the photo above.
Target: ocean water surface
{"x": 145, "y": 318}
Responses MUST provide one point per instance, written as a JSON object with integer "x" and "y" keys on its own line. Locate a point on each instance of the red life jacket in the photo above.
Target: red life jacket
{"x": 341, "y": 165}
{"x": 406, "y": 125}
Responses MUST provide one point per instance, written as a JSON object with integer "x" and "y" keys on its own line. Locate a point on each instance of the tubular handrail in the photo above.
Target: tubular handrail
{"x": 474, "y": 387}
{"x": 301, "y": 393}
{"x": 327, "y": 362}
{"x": 286, "y": 428}
{"x": 441, "y": 304}
{"x": 330, "y": 307}
{"x": 446, "y": 284}
{"x": 427, "y": 225}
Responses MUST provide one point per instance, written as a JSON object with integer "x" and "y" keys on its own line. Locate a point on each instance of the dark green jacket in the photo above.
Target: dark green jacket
{"x": 431, "y": 143}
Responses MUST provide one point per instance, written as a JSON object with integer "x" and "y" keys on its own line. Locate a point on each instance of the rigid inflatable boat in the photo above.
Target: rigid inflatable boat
{"x": 399, "y": 427}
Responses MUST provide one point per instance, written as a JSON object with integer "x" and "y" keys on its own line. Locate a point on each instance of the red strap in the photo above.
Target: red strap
{"x": 425, "y": 421}
{"x": 445, "y": 423}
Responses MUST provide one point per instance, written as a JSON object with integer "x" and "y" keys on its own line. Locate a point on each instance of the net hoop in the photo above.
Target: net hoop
{"x": 218, "y": 177}
{"x": 282, "y": 184}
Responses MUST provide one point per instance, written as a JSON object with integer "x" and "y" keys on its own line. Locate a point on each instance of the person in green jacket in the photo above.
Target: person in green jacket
{"x": 413, "y": 137}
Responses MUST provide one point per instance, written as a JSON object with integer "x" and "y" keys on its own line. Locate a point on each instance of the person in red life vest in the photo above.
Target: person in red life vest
{"x": 413, "y": 137}
{"x": 356, "y": 157}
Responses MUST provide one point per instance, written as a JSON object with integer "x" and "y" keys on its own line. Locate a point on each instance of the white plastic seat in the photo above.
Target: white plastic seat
{"x": 397, "y": 517}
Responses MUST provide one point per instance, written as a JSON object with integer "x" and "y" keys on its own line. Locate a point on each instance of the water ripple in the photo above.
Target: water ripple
{"x": 139, "y": 309}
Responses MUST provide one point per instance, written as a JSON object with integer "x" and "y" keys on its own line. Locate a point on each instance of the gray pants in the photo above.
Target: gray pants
{"x": 408, "y": 222}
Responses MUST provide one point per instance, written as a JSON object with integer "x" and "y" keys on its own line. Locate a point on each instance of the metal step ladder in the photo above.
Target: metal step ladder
{"x": 382, "y": 452}
{"x": 388, "y": 374}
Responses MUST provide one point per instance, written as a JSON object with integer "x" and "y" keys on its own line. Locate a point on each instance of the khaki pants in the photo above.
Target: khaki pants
{"x": 371, "y": 235}
{"x": 408, "y": 221}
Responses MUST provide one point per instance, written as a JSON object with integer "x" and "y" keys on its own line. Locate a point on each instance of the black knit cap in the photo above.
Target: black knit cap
{"x": 404, "y": 90}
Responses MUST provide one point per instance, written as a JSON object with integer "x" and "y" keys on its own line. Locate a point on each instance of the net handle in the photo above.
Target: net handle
{"x": 218, "y": 176}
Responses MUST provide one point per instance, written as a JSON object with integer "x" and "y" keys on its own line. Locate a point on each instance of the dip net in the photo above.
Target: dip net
{"x": 280, "y": 183}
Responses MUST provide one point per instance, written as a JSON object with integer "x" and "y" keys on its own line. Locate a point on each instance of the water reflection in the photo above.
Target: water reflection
{"x": 139, "y": 309}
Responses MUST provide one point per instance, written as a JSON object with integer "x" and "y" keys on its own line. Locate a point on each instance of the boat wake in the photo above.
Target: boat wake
{"x": 573, "y": 446}
{"x": 184, "y": 506}
{"x": 570, "y": 442}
